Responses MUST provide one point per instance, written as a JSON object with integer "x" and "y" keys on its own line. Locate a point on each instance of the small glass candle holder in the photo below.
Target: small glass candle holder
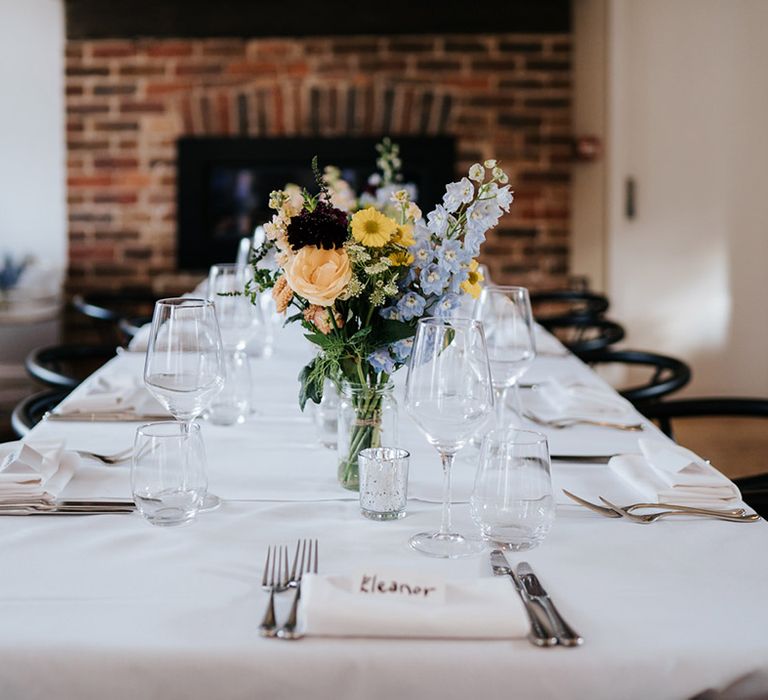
{"x": 383, "y": 482}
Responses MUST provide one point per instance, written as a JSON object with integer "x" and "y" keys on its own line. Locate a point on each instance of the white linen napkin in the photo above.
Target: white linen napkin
{"x": 140, "y": 341}
{"x": 560, "y": 400}
{"x": 410, "y": 603}
{"x": 39, "y": 472}
{"x": 114, "y": 393}
{"x": 666, "y": 472}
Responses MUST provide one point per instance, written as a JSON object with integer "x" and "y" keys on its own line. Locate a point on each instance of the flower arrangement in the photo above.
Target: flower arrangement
{"x": 359, "y": 272}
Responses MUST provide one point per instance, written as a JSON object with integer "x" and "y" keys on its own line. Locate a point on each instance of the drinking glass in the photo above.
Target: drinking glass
{"x": 240, "y": 322}
{"x": 168, "y": 479}
{"x": 512, "y": 501}
{"x": 184, "y": 366}
{"x": 449, "y": 395}
{"x": 505, "y": 313}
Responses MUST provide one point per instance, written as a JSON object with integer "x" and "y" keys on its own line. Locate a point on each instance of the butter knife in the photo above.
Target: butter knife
{"x": 530, "y": 582}
{"x": 540, "y": 634}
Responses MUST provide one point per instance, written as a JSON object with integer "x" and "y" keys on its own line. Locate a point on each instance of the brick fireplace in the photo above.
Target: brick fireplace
{"x": 128, "y": 101}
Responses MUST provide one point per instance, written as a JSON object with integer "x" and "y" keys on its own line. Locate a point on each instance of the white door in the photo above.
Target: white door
{"x": 688, "y": 123}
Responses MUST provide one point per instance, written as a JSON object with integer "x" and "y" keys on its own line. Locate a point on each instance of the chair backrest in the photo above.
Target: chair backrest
{"x": 30, "y": 410}
{"x": 582, "y": 335}
{"x": 65, "y": 366}
{"x": 669, "y": 374}
{"x": 664, "y": 411}
{"x": 568, "y": 304}
{"x": 105, "y": 310}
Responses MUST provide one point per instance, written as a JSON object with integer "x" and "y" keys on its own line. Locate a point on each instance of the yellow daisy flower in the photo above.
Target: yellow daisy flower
{"x": 404, "y": 236}
{"x": 371, "y": 228}
{"x": 472, "y": 284}
{"x": 401, "y": 258}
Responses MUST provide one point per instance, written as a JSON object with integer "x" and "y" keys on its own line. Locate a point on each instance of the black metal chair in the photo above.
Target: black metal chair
{"x": 567, "y": 304}
{"x": 754, "y": 489}
{"x": 129, "y": 327}
{"x": 107, "y": 309}
{"x": 30, "y": 410}
{"x": 667, "y": 374}
{"x": 582, "y": 335}
{"x": 65, "y": 366}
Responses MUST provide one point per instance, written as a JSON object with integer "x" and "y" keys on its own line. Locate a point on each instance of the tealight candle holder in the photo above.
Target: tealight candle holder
{"x": 383, "y": 482}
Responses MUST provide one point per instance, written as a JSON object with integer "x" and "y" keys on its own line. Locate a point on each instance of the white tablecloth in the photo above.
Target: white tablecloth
{"x": 109, "y": 606}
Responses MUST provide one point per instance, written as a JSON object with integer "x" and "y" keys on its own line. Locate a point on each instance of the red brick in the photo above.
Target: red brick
{"x": 168, "y": 49}
{"x": 148, "y": 107}
{"x": 112, "y": 49}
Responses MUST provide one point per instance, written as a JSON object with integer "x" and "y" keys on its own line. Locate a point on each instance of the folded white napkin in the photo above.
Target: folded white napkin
{"x": 410, "y": 604}
{"x": 555, "y": 399}
{"x": 114, "y": 393}
{"x": 39, "y": 472}
{"x": 140, "y": 341}
{"x": 666, "y": 472}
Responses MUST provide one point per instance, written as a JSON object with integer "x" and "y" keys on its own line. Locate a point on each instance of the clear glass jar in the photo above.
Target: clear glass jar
{"x": 367, "y": 418}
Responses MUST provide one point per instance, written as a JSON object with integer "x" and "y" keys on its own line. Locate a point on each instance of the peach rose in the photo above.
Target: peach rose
{"x": 319, "y": 275}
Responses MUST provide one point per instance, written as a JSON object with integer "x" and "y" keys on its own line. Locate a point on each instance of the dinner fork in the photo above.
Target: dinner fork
{"x": 613, "y": 513}
{"x": 307, "y": 565}
{"x": 275, "y": 579}
{"x": 653, "y": 517}
{"x": 570, "y": 422}
{"x": 111, "y": 459}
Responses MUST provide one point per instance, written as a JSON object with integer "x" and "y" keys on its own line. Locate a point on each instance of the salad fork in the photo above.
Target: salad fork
{"x": 614, "y": 513}
{"x": 275, "y": 579}
{"x": 570, "y": 422}
{"x": 307, "y": 565}
{"x": 653, "y": 517}
{"x": 110, "y": 459}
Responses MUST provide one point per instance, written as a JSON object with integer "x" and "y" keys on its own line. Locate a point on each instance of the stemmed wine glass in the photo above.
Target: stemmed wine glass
{"x": 449, "y": 395}
{"x": 239, "y": 322}
{"x": 184, "y": 366}
{"x": 505, "y": 313}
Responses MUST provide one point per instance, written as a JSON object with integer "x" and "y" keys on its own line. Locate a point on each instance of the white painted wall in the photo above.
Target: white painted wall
{"x": 688, "y": 119}
{"x": 32, "y": 131}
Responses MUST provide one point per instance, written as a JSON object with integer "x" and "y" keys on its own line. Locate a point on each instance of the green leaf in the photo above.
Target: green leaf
{"x": 310, "y": 388}
{"x": 324, "y": 341}
{"x": 391, "y": 331}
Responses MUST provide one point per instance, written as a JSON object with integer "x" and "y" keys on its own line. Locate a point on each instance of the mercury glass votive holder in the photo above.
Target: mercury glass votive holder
{"x": 383, "y": 482}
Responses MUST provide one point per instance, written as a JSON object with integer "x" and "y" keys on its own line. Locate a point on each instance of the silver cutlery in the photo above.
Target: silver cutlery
{"x": 275, "y": 579}
{"x": 308, "y": 565}
{"x": 560, "y": 423}
{"x": 105, "y": 416}
{"x": 540, "y": 635}
{"x": 65, "y": 507}
{"x": 110, "y": 459}
{"x": 587, "y": 459}
{"x": 530, "y": 582}
{"x": 613, "y": 513}
{"x": 694, "y": 512}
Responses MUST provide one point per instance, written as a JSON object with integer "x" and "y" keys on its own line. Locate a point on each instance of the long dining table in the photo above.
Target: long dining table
{"x": 109, "y": 606}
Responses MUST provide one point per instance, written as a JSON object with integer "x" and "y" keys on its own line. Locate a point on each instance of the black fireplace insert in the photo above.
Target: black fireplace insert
{"x": 224, "y": 183}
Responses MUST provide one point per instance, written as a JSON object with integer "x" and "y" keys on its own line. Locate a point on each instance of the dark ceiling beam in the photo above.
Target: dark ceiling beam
{"x": 104, "y": 19}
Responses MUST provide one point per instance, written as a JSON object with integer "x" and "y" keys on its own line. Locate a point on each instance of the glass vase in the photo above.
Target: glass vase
{"x": 367, "y": 418}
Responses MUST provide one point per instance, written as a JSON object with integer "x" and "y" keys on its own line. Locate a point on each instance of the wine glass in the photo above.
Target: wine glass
{"x": 239, "y": 322}
{"x": 505, "y": 313}
{"x": 449, "y": 395}
{"x": 184, "y": 367}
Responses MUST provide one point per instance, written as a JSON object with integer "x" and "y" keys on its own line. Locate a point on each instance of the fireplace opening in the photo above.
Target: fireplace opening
{"x": 224, "y": 183}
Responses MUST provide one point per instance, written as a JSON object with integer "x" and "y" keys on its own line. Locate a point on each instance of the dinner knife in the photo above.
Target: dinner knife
{"x": 541, "y": 635}
{"x": 587, "y": 459}
{"x": 530, "y": 582}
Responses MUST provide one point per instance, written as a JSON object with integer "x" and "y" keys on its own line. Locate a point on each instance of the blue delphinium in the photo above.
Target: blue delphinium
{"x": 450, "y": 255}
{"x": 402, "y": 349}
{"x": 446, "y": 305}
{"x": 433, "y": 279}
{"x": 382, "y": 361}
{"x": 411, "y": 305}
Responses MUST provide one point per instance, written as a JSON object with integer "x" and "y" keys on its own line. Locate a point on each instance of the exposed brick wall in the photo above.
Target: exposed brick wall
{"x": 502, "y": 96}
